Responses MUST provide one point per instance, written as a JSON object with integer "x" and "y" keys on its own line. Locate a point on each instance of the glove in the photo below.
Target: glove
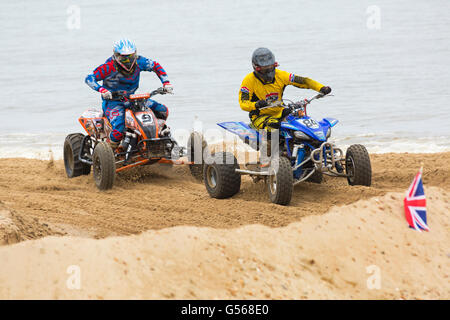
{"x": 107, "y": 95}
{"x": 168, "y": 87}
{"x": 258, "y": 105}
{"x": 261, "y": 104}
{"x": 285, "y": 112}
{"x": 325, "y": 90}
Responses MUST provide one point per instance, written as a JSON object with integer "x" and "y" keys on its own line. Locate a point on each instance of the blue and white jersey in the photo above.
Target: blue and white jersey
{"x": 113, "y": 80}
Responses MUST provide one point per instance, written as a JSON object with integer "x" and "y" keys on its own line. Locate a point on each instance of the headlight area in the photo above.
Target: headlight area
{"x": 301, "y": 135}
{"x": 328, "y": 132}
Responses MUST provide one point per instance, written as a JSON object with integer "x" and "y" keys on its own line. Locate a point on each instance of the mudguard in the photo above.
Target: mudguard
{"x": 330, "y": 121}
{"x": 306, "y": 124}
{"x": 94, "y": 122}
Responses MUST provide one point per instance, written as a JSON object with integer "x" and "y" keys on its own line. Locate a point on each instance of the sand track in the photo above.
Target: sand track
{"x": 156, "y": 197}
{"x": 187, "y": 245}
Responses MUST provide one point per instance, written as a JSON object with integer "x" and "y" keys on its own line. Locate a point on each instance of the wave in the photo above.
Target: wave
{"x": 50, "y": 145}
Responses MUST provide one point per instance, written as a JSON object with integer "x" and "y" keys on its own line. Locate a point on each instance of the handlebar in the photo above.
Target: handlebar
{"x": 160, "y": 90}
{"x": 122, "y": 95}
{"x": 317, "y": 96}
{"x": 295, "y": 105}
{"x": 296, "y": 108}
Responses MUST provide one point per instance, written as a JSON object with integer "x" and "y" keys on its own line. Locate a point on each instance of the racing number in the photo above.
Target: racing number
{"x": 310, "y": 123}
{"x": 146, "y": 118}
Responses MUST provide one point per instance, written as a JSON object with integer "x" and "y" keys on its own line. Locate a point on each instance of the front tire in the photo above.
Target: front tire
{"x": 72, "y": 163}
{"x": 104, "y": 166}
{"x": 358, "y": 166}
{"x": 221, "y": 179}
{"x": 280, "y": 182}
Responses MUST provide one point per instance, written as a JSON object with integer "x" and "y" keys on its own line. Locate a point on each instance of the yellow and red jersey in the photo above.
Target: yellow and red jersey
{"x": 253, "y": 89}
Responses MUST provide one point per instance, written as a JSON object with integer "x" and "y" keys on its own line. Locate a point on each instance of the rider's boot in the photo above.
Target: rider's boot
{"x": 339, "y": 167}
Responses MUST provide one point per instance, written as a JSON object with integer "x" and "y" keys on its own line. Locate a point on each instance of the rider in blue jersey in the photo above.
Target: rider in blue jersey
{"x": 121, "y": 73}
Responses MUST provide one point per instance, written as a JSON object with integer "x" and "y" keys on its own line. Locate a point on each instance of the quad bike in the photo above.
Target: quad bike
{"x": 304, "y": 154}
{"x": 147, "y": 140}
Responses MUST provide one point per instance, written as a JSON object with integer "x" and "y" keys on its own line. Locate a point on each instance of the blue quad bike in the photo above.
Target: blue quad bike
{"x": 304, "y": 154}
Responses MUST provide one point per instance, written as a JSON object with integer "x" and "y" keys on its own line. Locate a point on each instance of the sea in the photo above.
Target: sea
{"x": 387, "y": 63}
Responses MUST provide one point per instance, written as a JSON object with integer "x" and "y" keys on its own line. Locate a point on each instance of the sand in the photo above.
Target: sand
{"x": 158, "y": 235}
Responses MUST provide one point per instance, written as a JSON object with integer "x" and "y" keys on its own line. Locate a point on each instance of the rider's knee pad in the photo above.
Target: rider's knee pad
{"x": 160, "y": 110}
{"x": 161, "y": 115}
{"x": 116, "y": 136}
{"x": 163, "y": 111}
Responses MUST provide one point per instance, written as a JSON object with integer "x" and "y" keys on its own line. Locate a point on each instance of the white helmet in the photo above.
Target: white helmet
{"x": 125, "y": 55}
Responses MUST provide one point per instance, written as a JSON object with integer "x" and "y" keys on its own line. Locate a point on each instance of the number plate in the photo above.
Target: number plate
{"x": 311, "y": 123}
{"x": 145, "y": 118}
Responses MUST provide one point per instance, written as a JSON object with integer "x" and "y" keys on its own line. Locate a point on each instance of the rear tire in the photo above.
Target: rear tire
{"x": 104, "y": 166}
{"x": 221, "y": 179}
{"x": 72, "y": 163}
{"x": 195, "y": 142}
{"x": 280, "y": 183}
{"x": 357, "y": 166}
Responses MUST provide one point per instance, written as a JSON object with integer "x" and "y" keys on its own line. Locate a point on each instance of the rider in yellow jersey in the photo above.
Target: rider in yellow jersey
{"x": 266, "y": 84}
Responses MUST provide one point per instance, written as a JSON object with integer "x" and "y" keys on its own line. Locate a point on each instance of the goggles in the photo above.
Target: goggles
{"x": 266, "y": 69}
{"x": 127, "y": 59}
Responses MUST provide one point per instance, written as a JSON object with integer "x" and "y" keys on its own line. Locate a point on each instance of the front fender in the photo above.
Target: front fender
{"x": 330, "y": 121}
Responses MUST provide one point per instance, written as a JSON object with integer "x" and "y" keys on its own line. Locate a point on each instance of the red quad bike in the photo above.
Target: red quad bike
{"x": 147, "y": 140}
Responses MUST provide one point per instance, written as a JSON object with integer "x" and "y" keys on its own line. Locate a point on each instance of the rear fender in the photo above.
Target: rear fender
{"x": 93, "y": 122}
{"x": 93, "y": 126}
{"x": 241, "y": 129}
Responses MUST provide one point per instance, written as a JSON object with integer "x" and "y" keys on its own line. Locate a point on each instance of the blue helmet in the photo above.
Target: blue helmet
{"x": 125, "y": 55}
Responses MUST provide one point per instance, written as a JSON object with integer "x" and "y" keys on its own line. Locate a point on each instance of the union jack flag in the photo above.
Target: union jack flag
{"x": 415, "y": 205}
